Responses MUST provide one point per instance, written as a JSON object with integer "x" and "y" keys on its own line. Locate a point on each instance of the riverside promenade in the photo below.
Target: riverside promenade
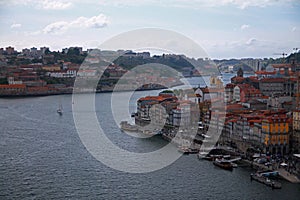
{"x": 282, "y": 172}
{"x": 288, "y": 176}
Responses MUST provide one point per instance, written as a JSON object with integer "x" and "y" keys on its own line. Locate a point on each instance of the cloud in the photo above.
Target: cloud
{"x": 245, "y": 26}
{"x": 294, "y": 29}
{"x": 59, "y": 27}
{"x": 53, "y": 5}
{"x": 15, "y": 26}
{"x": 64, "y": 4}
{"x": 41, "y": 4}
{"x": 56, "y": 27}
{"x": 251, "y": 42}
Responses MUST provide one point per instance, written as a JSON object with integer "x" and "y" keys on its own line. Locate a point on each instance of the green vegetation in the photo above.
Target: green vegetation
{"x": 167, "y": 92}
{"x": 175, "y": 62}
{"x": 73, "y": 56}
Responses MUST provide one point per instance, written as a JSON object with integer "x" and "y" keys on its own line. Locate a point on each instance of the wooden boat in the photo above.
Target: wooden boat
{"x": 184, "y": 150}
{"x": 188, "y": 150}
{"x": 224, "y": 164}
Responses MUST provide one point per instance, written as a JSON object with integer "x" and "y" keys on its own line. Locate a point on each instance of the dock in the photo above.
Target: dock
{"x": 282, "y": 172}
{"x": 264, "y": 180}
{"x": 287, "y": 176}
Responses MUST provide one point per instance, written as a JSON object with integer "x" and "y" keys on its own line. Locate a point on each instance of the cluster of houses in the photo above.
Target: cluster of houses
{"x": 50, "y": 76}
{"x": 257, "y": 112}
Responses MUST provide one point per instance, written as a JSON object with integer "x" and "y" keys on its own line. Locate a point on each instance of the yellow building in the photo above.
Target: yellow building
{"x": 275, "y": 130}
{"x": 51, "y": 68}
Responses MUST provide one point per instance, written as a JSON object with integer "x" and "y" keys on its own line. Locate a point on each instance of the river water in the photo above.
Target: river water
{"x": 42, "y": 157}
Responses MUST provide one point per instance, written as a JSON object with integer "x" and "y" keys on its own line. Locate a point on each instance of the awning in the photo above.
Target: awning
{"x": 283, "y": 164}
{"x": 297, "y": 155}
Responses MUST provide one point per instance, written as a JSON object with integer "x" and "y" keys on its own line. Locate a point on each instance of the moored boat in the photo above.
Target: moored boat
{"x": 224, "y": 164}
{"x": 188, "y": 150}
{"x": 184, "y": 150}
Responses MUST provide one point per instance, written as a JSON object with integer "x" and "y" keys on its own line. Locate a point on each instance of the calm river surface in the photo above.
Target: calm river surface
{"x": 42, "y": 157}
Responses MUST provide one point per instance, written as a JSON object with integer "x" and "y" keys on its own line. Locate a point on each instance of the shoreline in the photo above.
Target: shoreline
{"x": 87, "y": 92}
{"x": 283, "y": 174}
{"x": 64, "y": 93}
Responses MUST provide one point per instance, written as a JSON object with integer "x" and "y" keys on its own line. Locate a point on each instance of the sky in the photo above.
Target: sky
{"x": 223, "y": 28}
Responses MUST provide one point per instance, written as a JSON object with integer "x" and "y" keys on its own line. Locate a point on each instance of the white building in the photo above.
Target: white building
{"x": 86, "y": 72}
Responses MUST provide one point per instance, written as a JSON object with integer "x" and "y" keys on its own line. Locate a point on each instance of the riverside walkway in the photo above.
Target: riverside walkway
{"x": 282, "y": 172}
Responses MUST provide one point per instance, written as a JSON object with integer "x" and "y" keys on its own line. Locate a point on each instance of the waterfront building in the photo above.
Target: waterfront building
{"x": 227, "y": 131}
{"x": 163, "y": 112}
{"x": 41, "y": 90}
{"x": 275, "y": 130}
{"x": 14, "y": 89}
{"x": 181, "y": 115}
{"x": 145, "y": 104}
{"x": 257, "y": 139}
{"x": 296, "y": 132}
{"x": 216, "y": 125}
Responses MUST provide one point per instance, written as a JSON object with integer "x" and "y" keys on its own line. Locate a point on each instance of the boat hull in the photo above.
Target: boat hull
{"x": 226, "y": 166}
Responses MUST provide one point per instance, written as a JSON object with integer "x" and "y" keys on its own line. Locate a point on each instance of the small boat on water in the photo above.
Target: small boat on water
{"x": 188, "y": 150}
{"x": 234, "y": 165}
{"x": 184, "y": 150}
{"x": 204, "y": 155}
{"x": 193, "y": 150}
{"x": 224, "y": 164}
{"x": 60, "y": 110}
{"x": 268, "y": 173}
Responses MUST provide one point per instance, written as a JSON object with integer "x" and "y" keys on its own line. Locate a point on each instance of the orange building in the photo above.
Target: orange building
{"x": 275, "y": 130}
{"x": 15, "y": 89}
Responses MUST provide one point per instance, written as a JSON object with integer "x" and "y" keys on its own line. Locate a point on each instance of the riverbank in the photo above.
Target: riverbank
{"x": 64, "y": 93}
{"x": 71, "y": 91}
{"x": 282, "y": 172}
{"x": 243, "y": 162}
